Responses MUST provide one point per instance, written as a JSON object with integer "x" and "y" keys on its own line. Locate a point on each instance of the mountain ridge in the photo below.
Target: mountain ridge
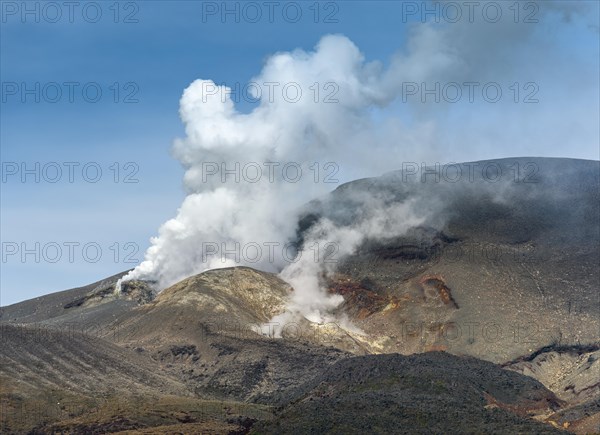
{"x": 501, "y": 274}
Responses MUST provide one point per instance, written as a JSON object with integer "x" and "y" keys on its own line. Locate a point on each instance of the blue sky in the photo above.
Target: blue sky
{"x": 153, "y": 60}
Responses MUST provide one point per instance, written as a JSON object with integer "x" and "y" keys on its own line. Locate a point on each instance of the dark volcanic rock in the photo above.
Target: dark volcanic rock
{"x": 500, "y": 267}
{"x": 427, "y": 393}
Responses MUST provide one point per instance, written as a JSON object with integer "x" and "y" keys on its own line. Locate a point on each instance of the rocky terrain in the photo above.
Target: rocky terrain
{"x": 482, "y": 319}
{"x": 425, "y": 393}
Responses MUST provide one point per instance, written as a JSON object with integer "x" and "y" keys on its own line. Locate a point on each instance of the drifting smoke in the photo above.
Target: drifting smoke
{"x": 333, "y": 115}
{"x": 381, "y": 222}
{"x": 226, "y": 214}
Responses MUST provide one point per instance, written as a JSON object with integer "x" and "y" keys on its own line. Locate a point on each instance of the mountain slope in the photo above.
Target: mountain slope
{"x": 428, "y": 393}
{"x": 504, "y": 271}
{"x": 497, "y": 270}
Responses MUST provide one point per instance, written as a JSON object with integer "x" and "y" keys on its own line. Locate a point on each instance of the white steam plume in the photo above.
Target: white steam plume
{"x": 280, "y": 130}
{"x": 346, "y": 128}
{"x": 236, "y": 215}
{"x": 310, "y": 299}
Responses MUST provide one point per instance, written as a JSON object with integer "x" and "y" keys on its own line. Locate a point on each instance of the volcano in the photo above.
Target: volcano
{"x": 482, "y": 318}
